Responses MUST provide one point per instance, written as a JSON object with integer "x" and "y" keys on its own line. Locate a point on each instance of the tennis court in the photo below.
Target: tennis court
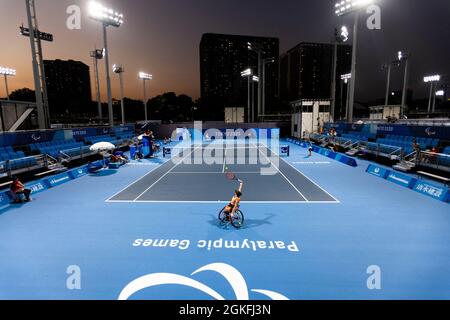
{"x": 268, "y": 177}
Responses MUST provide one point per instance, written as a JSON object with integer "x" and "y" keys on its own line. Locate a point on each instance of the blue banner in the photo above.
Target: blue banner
{"x": 4, "y": 199}
{"x": 37, "y": 187}
{"x": 431, "y": 190}
{"x": 401, "y": 179}
{"x": 78, "y": 173}
{"x": 378, "y": 171}
{"x": 57, "y": 180}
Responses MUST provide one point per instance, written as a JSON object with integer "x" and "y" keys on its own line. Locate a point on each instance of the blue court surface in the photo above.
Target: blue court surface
{"x": 313, "y": 230}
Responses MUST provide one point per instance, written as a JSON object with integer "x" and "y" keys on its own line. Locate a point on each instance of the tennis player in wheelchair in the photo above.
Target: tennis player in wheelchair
{"x": 231, "y": 208}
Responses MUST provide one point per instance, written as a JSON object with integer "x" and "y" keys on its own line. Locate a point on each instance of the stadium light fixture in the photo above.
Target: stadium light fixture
{"x": 348, "y": 6}
{"x": 7, "y": 72}
{"x": 118, "y": 69}
{"x": 107, "y": 17}
{"x": 344, "y": 34}
{"x": 145, "y": 77}
{"x": 247, "y": 73}
{"x": 433, "y": 80}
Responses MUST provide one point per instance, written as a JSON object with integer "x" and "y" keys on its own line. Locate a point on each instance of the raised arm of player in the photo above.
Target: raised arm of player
{"x": 241, "y": 185}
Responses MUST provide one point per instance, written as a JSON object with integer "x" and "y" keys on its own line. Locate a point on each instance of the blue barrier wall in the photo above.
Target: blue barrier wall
{"x": 436, "y": 192}
{"x": 431, "y": 190}
{"x": 327, "y": 153}
{"x": 45, "y": 184}
{"x": 401, "y": 179}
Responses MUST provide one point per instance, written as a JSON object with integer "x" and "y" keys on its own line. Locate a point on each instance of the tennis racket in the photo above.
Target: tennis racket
{"x": 232, "y": 177}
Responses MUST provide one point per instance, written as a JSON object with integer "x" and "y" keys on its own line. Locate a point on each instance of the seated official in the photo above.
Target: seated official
{"x": 115, "y": 158}
{"x": 17, "y": 189}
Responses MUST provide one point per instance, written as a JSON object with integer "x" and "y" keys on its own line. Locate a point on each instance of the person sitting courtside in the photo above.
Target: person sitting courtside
{"x": 17, "y": 189}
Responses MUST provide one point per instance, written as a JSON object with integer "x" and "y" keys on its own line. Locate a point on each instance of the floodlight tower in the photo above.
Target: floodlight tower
{"x": 341, "y": 36}
{"x": 145, "y": 77}
{"x": 7, "y": 72}
{"x": 108, "y": 17}
{"x": 120, "y": 70}
{"x": 346, "y": 7}
{"x": 248, "y": 73}
{"x": 98, "y": 55}
{"x": 258, "y": 49}
{"x": 388, "y": 67}
{"x": 404, "y": 57}
{"x": 40, "y": 86}
{"x": 265, "y": 62}
{"x": 255, "y": 79}
{"x": 433, "y": 80}
{"x": 345, "y": 78}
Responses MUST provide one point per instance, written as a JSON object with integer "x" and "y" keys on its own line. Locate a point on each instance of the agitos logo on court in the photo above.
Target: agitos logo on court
{"x": 231, "y": 275}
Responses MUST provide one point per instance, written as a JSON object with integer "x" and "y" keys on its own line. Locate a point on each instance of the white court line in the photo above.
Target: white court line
{"x": 224, "y": 202}
{"x": 337, "y": 201}
{"x": 164, "y": 175}
{"x": 285, "y": 177}
{"x": 221, "y": 173}
{"x": 224, "y": 161}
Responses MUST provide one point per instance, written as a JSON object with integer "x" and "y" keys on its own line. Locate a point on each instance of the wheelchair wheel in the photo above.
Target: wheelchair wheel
{"x": 238, "y": 220}
{"x": 223, "y": 217}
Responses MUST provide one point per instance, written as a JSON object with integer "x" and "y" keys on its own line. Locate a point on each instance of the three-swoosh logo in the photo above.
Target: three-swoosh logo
{"x": 231, "y": 274}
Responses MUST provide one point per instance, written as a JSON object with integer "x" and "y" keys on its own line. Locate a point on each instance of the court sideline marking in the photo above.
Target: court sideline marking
{"x": 279, "y": 171}
{"x": 337, "y": 201}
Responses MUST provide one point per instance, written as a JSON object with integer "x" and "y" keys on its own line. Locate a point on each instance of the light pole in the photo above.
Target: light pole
{"x": 257, "y": 48}
{"x": 345, "y": 78}
{"x": 145, "y": 77}
{"x": 98, "y": 55}
{"x": 388, "y": 67}
{"x": 107, "y": 17}
{"x": 343, "y": 8}
{"x": 432, "y": 80}
{"x": 341, "y": 36}
{"x": 266, "y": 62}
{"x": 7, "y": 72}
{"x": 255, "y": 79}
{"x": 119, "y": 70}
{"x": 248, "y": 73}
{"x": 404, "y": 57}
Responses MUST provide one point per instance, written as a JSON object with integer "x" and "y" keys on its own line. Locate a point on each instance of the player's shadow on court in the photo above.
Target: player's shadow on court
{"x": 11, "y": 207}
{"x": 249, "y": 223}
{"x": 104, "y": 173}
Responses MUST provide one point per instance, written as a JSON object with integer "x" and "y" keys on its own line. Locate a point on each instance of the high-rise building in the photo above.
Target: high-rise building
{"x": 222, "y": 59}
{"x": 306, "y": 72}
{"x": 68, "y": 86}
